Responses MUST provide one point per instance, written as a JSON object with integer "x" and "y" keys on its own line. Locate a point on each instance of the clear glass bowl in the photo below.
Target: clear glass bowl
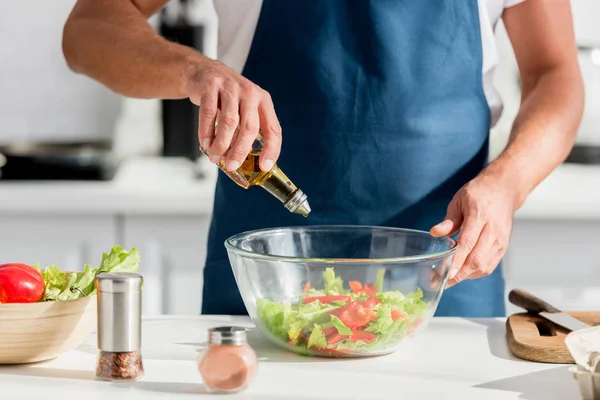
{"x": 340, "y": 291}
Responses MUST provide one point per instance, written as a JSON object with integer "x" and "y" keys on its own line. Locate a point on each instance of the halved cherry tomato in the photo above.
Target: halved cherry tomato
{"x": 370, "y": 302}
{"x": 366, "y": 337}
{"x": 336, "y": 338}
{"x": 307, "y": 287}
{"x": 356, "y": 286}
{"x": 399, "y": 314}
{"x": 326, "y": 299}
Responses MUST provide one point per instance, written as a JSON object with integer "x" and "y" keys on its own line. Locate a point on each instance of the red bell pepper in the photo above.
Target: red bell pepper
{"x": 330, "y": 331}
{"x": 356, "y": 286}
{"x": 331, "y": 352}
{"x": 399, "y": 314}
{"x": 369, "y": 289}
{"x": 354, "y": 315}
{"x": 370, "y": 302}
{"x": 336, "y": 338}
{"x": 326, "y": 299}
{"x": 367, "y": 337}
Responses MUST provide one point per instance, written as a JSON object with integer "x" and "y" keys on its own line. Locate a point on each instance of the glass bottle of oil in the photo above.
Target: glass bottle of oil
{"x": 274, "y": 181}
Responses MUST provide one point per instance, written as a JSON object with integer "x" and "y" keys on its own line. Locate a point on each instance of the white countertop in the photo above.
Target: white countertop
{"x": 168, "y": 186}
{"x": 453, "y": 358}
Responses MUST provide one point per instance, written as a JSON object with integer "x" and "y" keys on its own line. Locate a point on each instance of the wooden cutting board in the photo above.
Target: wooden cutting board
{"x": 534, "y": 338}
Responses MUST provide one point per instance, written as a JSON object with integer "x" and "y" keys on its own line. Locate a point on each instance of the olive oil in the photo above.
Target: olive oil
{"x": 274, "y": 181}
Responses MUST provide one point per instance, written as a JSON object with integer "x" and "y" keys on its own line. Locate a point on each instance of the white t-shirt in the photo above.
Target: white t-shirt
{"x": 238, "y": 23}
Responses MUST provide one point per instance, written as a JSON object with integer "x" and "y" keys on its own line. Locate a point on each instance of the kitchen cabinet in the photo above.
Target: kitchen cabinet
{"x": 68, "y": 241}
{"x": 173, "y": 250}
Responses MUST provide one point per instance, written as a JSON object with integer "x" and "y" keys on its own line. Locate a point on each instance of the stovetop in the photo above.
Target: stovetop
{"x": 581, "y": 154}
{"x": 80, "y": 163}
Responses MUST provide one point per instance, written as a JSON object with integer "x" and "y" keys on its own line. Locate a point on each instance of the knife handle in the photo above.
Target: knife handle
{"x": 529, "y": 302}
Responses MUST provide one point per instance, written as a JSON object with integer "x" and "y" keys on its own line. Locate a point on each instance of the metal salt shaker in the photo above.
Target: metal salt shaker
{"x": 119, "y": 326}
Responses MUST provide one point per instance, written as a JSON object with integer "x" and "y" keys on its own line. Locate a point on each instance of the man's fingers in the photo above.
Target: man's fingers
{"x": 227, "y": 124}
{"x": 207, "y": 115}
{"x": 271, "y": 131}
{"x": 467, "y": 239}
{"x": 478, "y": 263}
{"x": 242, "y": 143}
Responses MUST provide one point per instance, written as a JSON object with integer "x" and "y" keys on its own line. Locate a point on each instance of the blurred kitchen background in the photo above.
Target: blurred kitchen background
{"x": 82, "y": 169}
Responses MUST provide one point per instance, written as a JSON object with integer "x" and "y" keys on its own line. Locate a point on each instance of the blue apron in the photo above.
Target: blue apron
{"x": 384, "y": 118}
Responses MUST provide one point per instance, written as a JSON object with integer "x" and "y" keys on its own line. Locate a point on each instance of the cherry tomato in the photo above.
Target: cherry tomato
{"x": 20, "y": 283}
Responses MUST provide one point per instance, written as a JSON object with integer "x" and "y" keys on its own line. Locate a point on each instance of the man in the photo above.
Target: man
{"x": 385, "y": 105}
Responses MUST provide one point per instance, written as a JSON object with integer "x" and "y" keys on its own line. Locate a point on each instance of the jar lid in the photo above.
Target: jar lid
{"x": 121, "y": 282}
{"x": 227, "y": 335}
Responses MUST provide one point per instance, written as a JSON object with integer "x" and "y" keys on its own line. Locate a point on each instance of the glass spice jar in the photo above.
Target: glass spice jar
{"x": 119, "y": 327}
{"x": 228, "y": 364}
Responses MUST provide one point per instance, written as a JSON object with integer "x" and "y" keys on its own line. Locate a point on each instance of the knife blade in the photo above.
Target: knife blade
{"x": 538, "y": 306}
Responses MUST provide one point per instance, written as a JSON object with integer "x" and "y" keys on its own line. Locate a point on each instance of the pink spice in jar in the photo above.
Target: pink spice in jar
{"x": 228, "y": 364}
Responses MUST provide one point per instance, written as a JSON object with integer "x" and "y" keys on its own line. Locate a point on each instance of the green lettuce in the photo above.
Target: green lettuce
{"x": 317, "y": 338}
{"x": 333, "y": 284}
{"x": 60, "y": 285}
{"x": 275, "y": 316}
{"x": 411, "y": 303}
{"x": 383, "y": 322}
{"x": 304, "y": 325}
{"x": 379, "y": 280}
{"x": 339, "y": 325}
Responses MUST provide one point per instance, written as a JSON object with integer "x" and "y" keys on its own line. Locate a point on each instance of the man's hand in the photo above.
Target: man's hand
{"x": 543, "y": 133}
{"x": 111, "y": 42}
{"x": 226, "y": 97}
{"x": 483, "y": 210}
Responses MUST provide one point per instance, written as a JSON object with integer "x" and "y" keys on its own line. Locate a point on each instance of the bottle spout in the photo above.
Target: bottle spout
{"x": 298, "y": 203}
{"x": 303, "y": 209}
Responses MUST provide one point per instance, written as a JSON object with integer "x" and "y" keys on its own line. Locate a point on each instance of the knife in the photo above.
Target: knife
{"x": 538, "y": 306}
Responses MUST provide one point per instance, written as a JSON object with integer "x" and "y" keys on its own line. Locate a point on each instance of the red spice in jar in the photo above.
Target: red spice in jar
{"x": 228, "y": 364}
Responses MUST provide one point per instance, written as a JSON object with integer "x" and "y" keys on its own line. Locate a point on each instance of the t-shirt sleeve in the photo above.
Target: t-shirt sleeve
{"x": 510, "y": 3}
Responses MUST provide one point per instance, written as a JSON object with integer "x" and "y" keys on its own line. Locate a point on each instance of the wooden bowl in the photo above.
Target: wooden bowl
{"x": 40, "y": 331}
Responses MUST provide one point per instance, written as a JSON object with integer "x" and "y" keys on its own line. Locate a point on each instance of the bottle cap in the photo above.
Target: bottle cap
{"x": 227, "y": 335}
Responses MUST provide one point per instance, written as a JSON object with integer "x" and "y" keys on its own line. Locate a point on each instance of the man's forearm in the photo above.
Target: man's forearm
{"x": 111, "y": 42}
{"x": 544, "y": 130}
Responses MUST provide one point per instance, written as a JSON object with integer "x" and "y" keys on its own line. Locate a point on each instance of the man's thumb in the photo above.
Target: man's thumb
{"x": 449, "y": 226}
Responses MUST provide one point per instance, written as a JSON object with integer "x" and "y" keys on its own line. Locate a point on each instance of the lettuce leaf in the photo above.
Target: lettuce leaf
{"x": 339, "y": 325}
{"x": 379, "y": 279}
{"x": 383, "y": 322}
{"x": 317, "y": 338}
{"x": 275, "y": 316}
{"x": 333, "y": 284}
{"x": 61, "y": 286}
{"x": 412, "y": 303}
